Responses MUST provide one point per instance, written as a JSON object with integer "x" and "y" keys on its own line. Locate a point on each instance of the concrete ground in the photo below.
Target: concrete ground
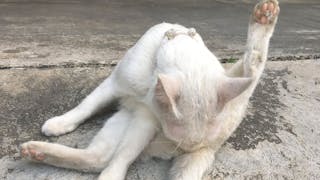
{"x": 53, "y": 53}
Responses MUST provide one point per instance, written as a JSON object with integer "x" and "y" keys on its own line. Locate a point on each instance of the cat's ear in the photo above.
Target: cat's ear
{"x": 167, "y": 91}
{"x": 230, "y": 88}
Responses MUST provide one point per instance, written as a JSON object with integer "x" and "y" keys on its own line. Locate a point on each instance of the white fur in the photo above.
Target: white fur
{"x": 199, "y": 123}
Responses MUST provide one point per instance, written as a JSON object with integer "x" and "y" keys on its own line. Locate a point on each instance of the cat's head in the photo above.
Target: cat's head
{"x": 188, "y": 108}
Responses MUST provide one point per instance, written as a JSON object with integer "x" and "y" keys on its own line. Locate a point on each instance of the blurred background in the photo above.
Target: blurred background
{"x": 55, "y": 52}
{"x": 46, "y": 32}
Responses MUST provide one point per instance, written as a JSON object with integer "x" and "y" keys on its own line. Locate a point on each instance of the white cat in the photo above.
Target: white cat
{"x": 177, "y": 101}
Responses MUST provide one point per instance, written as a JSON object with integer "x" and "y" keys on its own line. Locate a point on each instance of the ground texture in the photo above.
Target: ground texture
{"x": 53, "y": 53}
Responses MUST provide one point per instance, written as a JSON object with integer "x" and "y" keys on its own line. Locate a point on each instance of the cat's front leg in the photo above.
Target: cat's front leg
{"x": 192, "y": 166}
{"x": 105, "y": 93}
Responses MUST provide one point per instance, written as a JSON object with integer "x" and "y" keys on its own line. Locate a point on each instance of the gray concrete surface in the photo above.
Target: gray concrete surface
{"x": 53, "y": 53}
{"x": 62, "y": 32}
{"x": 278, "y": 139}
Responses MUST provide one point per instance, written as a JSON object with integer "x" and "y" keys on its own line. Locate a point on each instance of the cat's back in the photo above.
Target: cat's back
{"x": 135, "y": 72}
{"x": 187, "y": 54}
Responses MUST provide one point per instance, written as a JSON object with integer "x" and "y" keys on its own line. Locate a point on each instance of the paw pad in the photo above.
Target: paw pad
{"x": 31, "y": 153}
{"x": 266, "y": 11}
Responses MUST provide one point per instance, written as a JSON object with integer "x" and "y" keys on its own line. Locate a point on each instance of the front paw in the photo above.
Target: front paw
{"x": 57, "y": 126}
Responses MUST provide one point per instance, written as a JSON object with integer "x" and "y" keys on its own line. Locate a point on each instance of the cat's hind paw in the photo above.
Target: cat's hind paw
{"x": 30, "y": 150}
{"x": 266, "y": 11}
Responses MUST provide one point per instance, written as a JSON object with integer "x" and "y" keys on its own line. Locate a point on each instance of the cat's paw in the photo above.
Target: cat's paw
{"x": 32, "y": 151}
{"x": 57, "y": 126}
{"x": 266, "y": 11}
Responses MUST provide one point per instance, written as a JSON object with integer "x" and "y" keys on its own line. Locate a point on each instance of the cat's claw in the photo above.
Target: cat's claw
{"x": 29, "y": 151}
{"x": 266, "y": 11}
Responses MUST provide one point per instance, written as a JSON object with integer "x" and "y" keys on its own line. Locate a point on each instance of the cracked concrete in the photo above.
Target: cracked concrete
{"x": 53, "y": 53}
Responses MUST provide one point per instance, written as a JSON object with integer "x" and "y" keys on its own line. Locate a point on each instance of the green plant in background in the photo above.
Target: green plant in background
{"x": 231, "y": 60}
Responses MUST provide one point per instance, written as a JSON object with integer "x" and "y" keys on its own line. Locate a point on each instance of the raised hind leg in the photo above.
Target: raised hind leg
{"x": 94, "y": 158}
{"x": 105, "y": 93}
{"x": 261, "y": 27}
